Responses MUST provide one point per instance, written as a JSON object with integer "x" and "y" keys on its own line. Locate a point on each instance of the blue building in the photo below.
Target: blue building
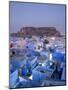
{"x": 14, "y": 79}
{"x": 41, "y": 73}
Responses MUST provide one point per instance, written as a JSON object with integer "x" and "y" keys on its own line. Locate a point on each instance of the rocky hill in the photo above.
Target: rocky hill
{"x": 39, "y": 31}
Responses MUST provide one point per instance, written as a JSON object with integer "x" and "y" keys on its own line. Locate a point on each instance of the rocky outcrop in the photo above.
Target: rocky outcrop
{"x": 39, "y": 31}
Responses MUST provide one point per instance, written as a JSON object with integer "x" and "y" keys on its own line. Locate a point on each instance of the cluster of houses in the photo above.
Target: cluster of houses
{"x": 36, "y": 61}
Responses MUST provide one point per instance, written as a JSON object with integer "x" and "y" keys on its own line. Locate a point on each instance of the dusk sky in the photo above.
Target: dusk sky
{"x": 38, "y": 15}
